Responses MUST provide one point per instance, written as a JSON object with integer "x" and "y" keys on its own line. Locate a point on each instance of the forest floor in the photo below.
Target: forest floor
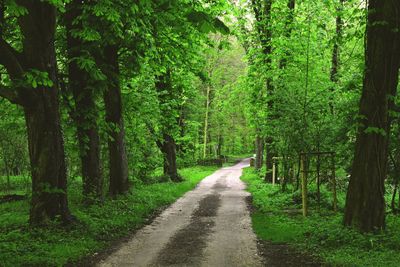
{"x": 320, "y": 238}
{"x": 209, "y": 226}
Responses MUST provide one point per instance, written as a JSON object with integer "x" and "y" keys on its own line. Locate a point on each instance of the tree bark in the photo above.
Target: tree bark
{"x": 85, "y": 113}
{"x": 269, "y": 163}
{"x": 288, "y": 31}
{"x": 259, "y": 152}
{"x": 206, "y": 122}
{"x": 262, "y": 11}
{"x": 169, "y": 151}
{"x": 336, "y": 50}
{"x": 116, "y": 142}
{"x": 168, "y": 144}
{"x": 41, "y": 108}
{"x": 365, "y": 204}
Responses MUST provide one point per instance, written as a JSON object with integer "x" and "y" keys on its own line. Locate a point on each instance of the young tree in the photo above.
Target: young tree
{"x": 365, "y": 203}
{"x": 34, "y": 85}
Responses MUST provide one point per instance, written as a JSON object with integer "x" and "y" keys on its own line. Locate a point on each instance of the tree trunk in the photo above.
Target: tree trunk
{"x": 85, "y": 114}
{"x": 45, "y": 139}
{"x": 116, "y": 141}
{"x": 336, "y": 50}
{"x": 206, "y": 122}
{"x": 365, "y": 204}
{"x": 262, "y": 11}
{"x": 288, "y": 31}
{"x": 269, "y": 160}
{"x": 168, "y": 144}
{"x": 169, "y": 151}
{"x": 259, "y": 152}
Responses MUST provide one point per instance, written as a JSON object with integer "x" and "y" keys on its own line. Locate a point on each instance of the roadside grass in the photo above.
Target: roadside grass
{"x": 320, "y": 234}
{"x": 98, "y": 225}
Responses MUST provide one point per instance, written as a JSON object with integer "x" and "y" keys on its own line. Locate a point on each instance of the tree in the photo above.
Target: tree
{"x": 336, "y": 46}
{"x": 365, "y": 204}
{"x": 114, "y": 117}
{"x": 82, "y": 84}
{"x": 262, "y": 13}
{"x": 34, "y": 86}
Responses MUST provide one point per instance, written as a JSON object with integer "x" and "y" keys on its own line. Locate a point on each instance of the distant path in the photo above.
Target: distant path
{"x": 209, "y": 226}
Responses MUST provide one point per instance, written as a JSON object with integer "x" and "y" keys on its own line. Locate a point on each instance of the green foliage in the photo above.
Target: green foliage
{"x": 37, "y": 78}
{"x": 321, "y": 233}
{"x": 98, "y": 225}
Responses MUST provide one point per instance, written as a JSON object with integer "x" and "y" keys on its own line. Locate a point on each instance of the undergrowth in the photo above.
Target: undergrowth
{"x": 98, "y": 225}
{"x": 277, "y": 218}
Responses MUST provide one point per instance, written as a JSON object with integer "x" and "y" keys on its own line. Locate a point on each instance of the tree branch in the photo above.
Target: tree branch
{"x": 11, "y": 60}
{"x": 9, "y": 94}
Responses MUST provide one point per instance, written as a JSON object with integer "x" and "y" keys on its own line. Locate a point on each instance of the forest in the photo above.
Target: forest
{"x": 112, "y": 110}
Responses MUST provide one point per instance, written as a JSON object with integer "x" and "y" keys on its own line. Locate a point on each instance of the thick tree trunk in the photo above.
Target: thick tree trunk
{"x": 45, "y": 139}
{"x": 169, "y": 151}
{"x": 116, "y": 143}
{"x": 365, "y": 204}
{"x": 85, "y": 114}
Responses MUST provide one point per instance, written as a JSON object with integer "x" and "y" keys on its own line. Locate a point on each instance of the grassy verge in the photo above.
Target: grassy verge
{"x": 320, "y": 234}
{"x": 98, "y": 225}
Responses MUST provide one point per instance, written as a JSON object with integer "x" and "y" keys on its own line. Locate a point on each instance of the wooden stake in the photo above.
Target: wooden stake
{"x": 273, "y": 173}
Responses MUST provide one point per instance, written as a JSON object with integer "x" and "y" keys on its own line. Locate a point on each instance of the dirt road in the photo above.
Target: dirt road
{"x": 209, "y": 226}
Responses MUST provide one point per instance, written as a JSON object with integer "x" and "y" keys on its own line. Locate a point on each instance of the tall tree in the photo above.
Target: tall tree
{"x": 114, "y": 117}
{"x": 291, "y": 5}
{"x": 336, "y": 46}
{"x": 365, "y": 203}
{"x": 33, "y": 73}
{"x": 167, "y": 145}
{"x": 82, "y": 86}
{"x": 115, "y": 25}
{"x": 262, "y": 11}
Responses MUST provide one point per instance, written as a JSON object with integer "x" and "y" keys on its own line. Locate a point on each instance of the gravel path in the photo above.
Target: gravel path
{"x": 209, "y": 226}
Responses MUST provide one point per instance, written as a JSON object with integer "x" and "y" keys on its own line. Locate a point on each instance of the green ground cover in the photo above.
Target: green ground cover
{"x": 98, "y": 225}
{"x": 321, "y": 234}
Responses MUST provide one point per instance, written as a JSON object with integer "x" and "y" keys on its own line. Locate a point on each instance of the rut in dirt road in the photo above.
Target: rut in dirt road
{"x": 209, "y": 226}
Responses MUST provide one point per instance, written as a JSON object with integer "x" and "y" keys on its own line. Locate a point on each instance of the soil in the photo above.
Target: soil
{"x": 208, "y": 226}
{"x": 282, "y": 254}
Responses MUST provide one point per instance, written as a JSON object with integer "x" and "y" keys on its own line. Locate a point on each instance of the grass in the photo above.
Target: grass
{"x": 98, "y": 225}
{"x": 320, "y": 234}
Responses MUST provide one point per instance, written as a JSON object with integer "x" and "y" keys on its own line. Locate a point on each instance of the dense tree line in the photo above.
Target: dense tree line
{"x": 110, "y": 86}
{"x": 111, "y": 90}
{"x": 313, "y": 68}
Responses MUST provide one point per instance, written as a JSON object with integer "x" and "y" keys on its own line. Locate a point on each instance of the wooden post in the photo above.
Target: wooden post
{"x": 273, "y": 173}
{"x": 303, "y": 184}
{"x": 334, "y": 183}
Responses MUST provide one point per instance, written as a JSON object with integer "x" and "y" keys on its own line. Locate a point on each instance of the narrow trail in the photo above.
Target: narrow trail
{"x": 209, "y": 226}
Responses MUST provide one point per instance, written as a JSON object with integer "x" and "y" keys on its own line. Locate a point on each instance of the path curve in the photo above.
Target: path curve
{"x": 208, "y": 226}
